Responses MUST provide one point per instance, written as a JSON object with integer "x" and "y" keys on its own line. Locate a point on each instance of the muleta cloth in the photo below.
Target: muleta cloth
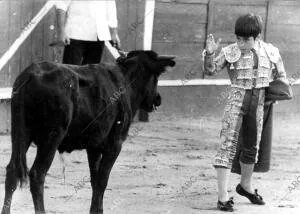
{"x": 279, "y": 90}
{"x": 264, "y": 153}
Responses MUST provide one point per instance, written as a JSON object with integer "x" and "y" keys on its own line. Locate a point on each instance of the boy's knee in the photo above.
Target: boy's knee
{"x": 248, "y": 157}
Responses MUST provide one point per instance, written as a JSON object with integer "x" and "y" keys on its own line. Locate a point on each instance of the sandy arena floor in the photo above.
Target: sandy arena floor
{"x": 165, "y": 167}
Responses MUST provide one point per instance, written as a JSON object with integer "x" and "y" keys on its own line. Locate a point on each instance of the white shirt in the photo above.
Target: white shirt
{"x": 89, "y": 19}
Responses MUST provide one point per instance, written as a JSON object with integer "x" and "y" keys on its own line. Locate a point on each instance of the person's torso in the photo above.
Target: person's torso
{"x": 87, "y": 20}
{"x": 249, "y": 70}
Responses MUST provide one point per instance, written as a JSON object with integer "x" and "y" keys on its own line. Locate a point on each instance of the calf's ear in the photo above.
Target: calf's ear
{"x": 126, "y": 62}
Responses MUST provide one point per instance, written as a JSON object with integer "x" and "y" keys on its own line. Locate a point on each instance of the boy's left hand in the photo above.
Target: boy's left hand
{"x": 116, "y": 43}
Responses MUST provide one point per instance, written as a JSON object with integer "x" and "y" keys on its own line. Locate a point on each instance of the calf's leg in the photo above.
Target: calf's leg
{"x": 12, "y": 170}
{"x": 100, "y": 177}
{"x": 45, "y": 153}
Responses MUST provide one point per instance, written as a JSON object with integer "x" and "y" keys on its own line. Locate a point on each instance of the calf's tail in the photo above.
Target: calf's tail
{"x": 19, "y": 134}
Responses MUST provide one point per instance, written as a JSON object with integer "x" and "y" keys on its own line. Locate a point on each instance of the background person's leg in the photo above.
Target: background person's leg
{"x": 93, "y": 52}
{"x": 73, "y": 53}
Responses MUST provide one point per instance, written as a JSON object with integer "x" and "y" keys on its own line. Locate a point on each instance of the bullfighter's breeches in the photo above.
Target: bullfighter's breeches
{"x": 243, "y": 106}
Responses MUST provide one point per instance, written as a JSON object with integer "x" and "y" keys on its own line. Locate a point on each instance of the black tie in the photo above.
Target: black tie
{"x": 255, "y": 59}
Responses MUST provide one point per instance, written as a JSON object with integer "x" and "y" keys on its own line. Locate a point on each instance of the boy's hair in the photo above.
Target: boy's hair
{"x": 248, "y": 25}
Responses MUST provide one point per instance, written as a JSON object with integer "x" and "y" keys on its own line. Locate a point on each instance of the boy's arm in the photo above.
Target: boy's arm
{"x": 112, "y": 14}
{"x": 212, "y": 64}
{"x": 279, "y": 71}
{"x": 112, "y": 20}
{"x": 62, "y": 7}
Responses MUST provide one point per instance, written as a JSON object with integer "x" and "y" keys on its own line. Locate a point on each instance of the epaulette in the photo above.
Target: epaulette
{"x": 272, "y": 52}
{"x": 232, "y": 53}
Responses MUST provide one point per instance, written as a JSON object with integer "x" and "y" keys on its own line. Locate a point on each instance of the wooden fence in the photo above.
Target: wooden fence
{"x": 180, "y": 28}
{"x": 16, "y": 14}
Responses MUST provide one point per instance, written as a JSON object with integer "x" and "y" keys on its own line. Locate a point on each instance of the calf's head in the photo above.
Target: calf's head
{"x": 143, "y": 69}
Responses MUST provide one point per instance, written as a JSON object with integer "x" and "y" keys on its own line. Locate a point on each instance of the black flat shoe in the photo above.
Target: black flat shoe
{"x": 254, "y": 198}
{"x": 226, "y": 206}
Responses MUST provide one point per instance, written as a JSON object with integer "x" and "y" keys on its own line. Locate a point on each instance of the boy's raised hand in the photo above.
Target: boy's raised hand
{"x": 211, "y": 45}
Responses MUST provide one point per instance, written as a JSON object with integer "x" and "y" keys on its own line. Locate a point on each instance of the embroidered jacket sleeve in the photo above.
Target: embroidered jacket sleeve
{"x": 212, "y": 64}
{"x": 279, "y": 71}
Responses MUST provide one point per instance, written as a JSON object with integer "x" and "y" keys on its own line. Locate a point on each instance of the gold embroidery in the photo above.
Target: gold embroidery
{"x": 232, "y": 53}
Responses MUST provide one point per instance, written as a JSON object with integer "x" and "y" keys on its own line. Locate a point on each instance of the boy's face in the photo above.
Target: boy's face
{"x": 245, "y": 44}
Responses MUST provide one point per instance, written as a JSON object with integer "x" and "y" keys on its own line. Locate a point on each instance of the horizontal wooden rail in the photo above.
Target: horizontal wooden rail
{"x": 5, "y": 93}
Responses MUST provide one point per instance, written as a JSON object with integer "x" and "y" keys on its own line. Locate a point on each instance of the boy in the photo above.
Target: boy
{"x": 251, "y": 65}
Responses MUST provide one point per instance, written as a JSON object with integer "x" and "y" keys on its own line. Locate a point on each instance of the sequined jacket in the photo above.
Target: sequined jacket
{"x": 241, "y": 66}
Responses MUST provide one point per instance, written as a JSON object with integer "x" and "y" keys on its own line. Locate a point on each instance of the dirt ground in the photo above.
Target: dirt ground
{"x": 165, "y": 167}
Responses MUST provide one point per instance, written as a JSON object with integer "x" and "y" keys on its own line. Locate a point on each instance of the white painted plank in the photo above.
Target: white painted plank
{"x": 148, "y": 24}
